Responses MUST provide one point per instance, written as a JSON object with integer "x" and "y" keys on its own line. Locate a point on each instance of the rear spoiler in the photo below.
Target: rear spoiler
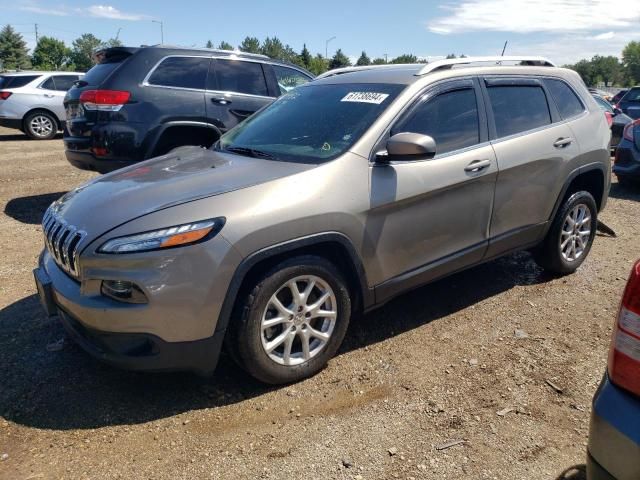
{"x": 110, "y": 53}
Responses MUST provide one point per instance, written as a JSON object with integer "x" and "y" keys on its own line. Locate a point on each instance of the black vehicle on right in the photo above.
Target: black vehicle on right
{"x": 627, "y": 160}
{"x": 630, "y": 103}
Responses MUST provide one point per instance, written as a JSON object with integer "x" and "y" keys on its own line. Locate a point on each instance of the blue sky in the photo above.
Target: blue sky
{"x": 563, "y": 30}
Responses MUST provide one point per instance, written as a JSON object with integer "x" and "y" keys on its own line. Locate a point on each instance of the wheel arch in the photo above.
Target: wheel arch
{"x": 591, "y": 178}
{"x": 196, "y": 129}
{"x": 333, "y": 246}
{"x": 41, "y": 109}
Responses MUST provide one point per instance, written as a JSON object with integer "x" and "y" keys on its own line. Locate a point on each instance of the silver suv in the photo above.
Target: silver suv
{"x": 342, "y": 194}
{"x": 32, "y": 101}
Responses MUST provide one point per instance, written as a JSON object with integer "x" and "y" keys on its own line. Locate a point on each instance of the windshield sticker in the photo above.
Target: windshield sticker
{"x": 365, "y": 97}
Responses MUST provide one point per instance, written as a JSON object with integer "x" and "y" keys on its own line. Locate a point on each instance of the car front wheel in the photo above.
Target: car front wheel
{"x": 292, "y": 322}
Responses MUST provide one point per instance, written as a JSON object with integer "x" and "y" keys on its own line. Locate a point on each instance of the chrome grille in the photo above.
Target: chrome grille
{"x": 62, "y": 241}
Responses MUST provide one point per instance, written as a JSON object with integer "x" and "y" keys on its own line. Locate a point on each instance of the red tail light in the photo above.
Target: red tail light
{"x": 624, "y": 357}
{"x": 609, "y": 118}
{"x": 4, "y": 95}
{"x": 628, "y": 130}
{"x": 107, "y": 100}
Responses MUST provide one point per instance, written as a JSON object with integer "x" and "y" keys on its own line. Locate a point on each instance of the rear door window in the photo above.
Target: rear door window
{"x": 239, "y": 76}
{"x": 181, "y": 72}
{"x": 288, "y": 78}
{"x": 450, "y": 118}
{"x": 64, "y": 82}
{"x": 518, "y": 108}
{"x": 568, "y": 103}
{"x": 11, "y": 81}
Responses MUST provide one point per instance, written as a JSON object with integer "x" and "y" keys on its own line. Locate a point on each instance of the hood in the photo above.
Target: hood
{"x": 189, "y": 174}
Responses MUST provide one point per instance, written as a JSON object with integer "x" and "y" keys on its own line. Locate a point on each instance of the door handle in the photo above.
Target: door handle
{"x": 48, "y": 95}
{"x": 242, "y": 113}
{"x": 563, "y": 142}
{"x": 477, "y": 165}
{"x": 220, "y": 100}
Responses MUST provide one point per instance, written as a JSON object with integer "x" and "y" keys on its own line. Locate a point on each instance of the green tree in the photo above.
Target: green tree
{"x": 631, "y": 61}
{"x": 250, "y": 45}
{"x": 13, "y": 50}
{"x": 451, "y": 56}
{"x": 50, "y": 54}
{"x": 363, "y": 60}
{"x": 378, "y": 61}
{"x": 318, "y": 64}
{"x": 273, "y": 48}
{"x": 209, "y": 44}
{"x": 406, "y": 58}
{"x": 607, "y": 69}
{"x": 339, "y": 60}
{"x": 82, "y": 50}
{"x": 113, "y": 42}
{"x": 305, "y": 57}
{"x": 225, "y": 46}
{"x": 586, "y": 71}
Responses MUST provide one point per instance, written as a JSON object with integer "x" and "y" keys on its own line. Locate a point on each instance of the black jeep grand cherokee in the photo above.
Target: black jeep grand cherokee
{"x": 139, "y": 103}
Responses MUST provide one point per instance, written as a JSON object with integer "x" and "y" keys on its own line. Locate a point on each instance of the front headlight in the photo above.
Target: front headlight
{"x": 164, "y": 238}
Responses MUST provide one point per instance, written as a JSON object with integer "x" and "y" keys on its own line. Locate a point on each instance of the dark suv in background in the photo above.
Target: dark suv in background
{"x": 139, "y": 103}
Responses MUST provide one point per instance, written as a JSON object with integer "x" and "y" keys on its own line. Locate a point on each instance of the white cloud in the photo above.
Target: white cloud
{"x": 604, "y": 36}
{"x": 527, "y": 16}
{"x": 107, "y": 11}
{"x": 44, "y": 11}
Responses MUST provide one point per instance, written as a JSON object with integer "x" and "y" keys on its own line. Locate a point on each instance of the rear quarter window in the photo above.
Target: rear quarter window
{"x": 568, "y": 103}
{"x": 518, "y": 108}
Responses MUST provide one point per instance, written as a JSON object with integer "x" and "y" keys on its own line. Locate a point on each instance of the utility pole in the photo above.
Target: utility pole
{"x": 504, "y": 48}
{"x": 36, "y": 33}
{"x": 385, "y": 58}
{"x": 161, "y": 30}
{"x": 326, "y": 47}
{"x": 118, "y": 34}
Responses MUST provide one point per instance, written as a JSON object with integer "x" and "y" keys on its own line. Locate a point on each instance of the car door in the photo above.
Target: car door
{"x": 431, "y": 217}
{"x": 534, "y": 148}
{"x": 50, "y": 98}
{"x": 62, "y": 84}
{"x": 236, "y": 89}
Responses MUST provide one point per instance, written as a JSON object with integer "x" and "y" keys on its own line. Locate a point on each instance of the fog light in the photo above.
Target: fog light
{"x": 123, "y": 290}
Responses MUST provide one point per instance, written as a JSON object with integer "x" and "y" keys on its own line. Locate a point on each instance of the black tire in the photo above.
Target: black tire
{"x": 549, "y": 253}
{"x": 246, "y": 334}
{"x": 41, "y": 125}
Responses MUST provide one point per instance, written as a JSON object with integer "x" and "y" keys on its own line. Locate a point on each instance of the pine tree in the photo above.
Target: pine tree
{"x": 209, "y": 44}
{"x": 273, "y": 48}
{"x": 406, "y": 58}
{"x": 378, "y": 61}
{"x": 13, "y": 50}
{"x": 305, "y": 57}
{"x": 339, "y": 60}
{"x": 225, "y": 46}
{"x": 363, "y": 60}
{"x": 250, "y": 45}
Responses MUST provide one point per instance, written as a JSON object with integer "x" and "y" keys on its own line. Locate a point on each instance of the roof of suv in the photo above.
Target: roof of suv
{"x": 37, "y": 72}
{"x": 410, "y": 73}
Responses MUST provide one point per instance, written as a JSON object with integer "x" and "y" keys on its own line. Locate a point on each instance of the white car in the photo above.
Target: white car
{"x": 32, "y": 101}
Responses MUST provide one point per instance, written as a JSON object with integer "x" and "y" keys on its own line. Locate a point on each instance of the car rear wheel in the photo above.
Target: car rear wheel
{"x": 292, "y": 322}
{"x": 570, "y": 236}
{"x": 40, "y": 126}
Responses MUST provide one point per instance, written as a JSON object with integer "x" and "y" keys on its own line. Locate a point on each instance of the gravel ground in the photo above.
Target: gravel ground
{"x": 436, "y": 365}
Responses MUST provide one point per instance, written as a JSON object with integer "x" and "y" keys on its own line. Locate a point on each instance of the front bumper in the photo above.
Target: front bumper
{"x": 614, "y": 435}
{"x": 176, "y": 330}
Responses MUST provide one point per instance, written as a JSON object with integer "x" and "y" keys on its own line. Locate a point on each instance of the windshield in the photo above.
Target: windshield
{"x": 311, "y": 124}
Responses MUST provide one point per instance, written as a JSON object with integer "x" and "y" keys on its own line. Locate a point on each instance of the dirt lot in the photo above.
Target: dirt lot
{"x": 432, "y": 366}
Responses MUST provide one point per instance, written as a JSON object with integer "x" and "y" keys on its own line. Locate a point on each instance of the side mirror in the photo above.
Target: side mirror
{"x": 408, "y": 146}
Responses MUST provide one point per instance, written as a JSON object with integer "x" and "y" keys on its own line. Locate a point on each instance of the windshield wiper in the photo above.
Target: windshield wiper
{"x": 249, "y": 152}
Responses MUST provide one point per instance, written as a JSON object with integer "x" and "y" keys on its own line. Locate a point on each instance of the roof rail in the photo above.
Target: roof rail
{"x": 450, "y": 63}
{"x": 340, "y": 71}
{"x": 213, "y": 50}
